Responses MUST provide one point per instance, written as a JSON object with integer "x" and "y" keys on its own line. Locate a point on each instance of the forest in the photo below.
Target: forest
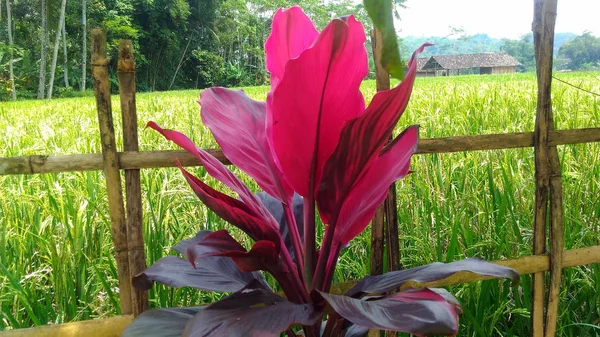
{"x": 185, "y": 44}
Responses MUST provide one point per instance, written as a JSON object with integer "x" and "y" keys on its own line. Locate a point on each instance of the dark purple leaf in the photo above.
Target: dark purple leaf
{"x": 357, "y": 331}
{"x": 161, "y": 322}
{"x": 420, "y": 312}
{"x": 264, "y": 254}
{"x": 182, "y": 246}
{"x": 213, "y": 244}
{"x": 276, "y": 209}
{"x": 432, "y": 272}
{"x": 250, "y": 313}
{"x": 213, "y": 274}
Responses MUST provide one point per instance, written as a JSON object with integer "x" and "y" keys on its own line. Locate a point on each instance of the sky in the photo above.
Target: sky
{"x": 499, "y": 19}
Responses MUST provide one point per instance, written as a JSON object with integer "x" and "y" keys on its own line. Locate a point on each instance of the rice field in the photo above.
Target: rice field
{"x": 56, "y": 258}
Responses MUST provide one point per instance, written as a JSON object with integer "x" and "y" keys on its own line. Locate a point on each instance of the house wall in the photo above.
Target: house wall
{"x": 503, "y": 70}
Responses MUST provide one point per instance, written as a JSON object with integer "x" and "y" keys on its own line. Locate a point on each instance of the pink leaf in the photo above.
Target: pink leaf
{"x": 238, "y": 124}
{"x": 216, "y": 169}
{"x": 292, "y": 32}
{"x": 317, "y": 94}
{"x": 361, "y": 141}
{"x": 372, "y": 187}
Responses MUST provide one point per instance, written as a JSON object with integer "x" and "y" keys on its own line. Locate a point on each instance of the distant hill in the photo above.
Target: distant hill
{"x": 468, "y": 44}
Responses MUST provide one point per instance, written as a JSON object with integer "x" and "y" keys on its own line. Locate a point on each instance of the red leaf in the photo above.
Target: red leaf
{"x": 361, "y": 141}
{"x": 292, "y": 32}
{"x": 238, "y": 124}
{"x": 317, "y": 94}
{"x": 233, "y": 211}
{"x": 216, "y": 169}
{"x": 370, "y": 190}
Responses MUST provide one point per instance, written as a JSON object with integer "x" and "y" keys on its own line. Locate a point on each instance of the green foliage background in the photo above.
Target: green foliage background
{"x": 56, "y": 254}
{"x": 184, "y": 44}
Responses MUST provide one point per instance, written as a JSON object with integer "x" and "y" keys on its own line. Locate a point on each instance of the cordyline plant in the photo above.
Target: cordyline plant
{"x": 311, "y": 146}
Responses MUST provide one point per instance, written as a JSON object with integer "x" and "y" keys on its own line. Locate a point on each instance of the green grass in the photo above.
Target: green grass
{"x": 56, "y": 258}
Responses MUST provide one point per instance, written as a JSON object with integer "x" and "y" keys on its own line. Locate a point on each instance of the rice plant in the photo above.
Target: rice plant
{"x": 56, "y": 254}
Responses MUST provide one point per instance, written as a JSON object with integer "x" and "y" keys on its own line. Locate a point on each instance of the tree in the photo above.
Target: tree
{"x": 61, "y": 22}
{"x": 65, "y": 56}
{"x": 83, "y": 43}
{"x": 44, "y": 34}
{"x": 522, "y": 50}
{"x": 10, "y": 46}
{"x": 582, "y": 52}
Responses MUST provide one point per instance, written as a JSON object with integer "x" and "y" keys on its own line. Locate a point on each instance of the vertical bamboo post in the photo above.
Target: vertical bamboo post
{"x": 542, "y": 176}
{"x": 384, "y": 227}
{"x": 133, "y": 190}
{"x": 378, "y": 223}
{"x": 111, "y": 166}
{"x": 544, "y": 22}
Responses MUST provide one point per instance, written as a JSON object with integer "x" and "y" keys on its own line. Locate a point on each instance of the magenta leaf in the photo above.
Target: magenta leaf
{"x": 217, "y": 170}
{"x": 250, "y": 313}
{"x": 419, "y": 312}
{"x": 432, "y": 272}
{"x": 161, "y": 322}
{"x": 212, "y": 273}
{"x": 238, "y": 124}
{"x": 292, "y": 32}
{"x": 372, "y": 187}
{"x": 234, "y": 211}
{"x": 361, "y": 141}
{"x": 317, "y": 94}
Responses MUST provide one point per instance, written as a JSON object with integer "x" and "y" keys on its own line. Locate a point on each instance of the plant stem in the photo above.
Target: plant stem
{"x": 294, "y": 277}
{"x": 296, "y": 241}
{"x": 309, "y": 239}
{"x": 332, "y": 263}
{"x": 324, "y": 256}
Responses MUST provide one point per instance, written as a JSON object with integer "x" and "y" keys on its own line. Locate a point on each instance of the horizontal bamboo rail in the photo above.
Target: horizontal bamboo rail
{"x": 39, "y": 164}
{"x": 112, "y": 327}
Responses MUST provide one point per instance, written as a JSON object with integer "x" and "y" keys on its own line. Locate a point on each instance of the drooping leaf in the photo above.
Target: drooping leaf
{"x": 264, "y": 254}
{"x": 212, "y": 244}
{"x": 250, "y": 313}
{"x": 357, "y": 331}
{"x": 276, "y": 208}
{"x": 217, "y": 170}
{"x": 161, "y": 322}
{"x": 432, "y": 272}
{"x": 361, "y": 141}
{"x": 292, "y": 32}
{"x": 213, "y": 274}
{"x": 372, "y": 188}
{"x": 234, "y": 211}
{"x": 182, "y": 248}
{"x": 238, "y": 124}
{"x": 380, "y": 11}
{"x": 307, "y": 109}
{"x": 420, "y": 312}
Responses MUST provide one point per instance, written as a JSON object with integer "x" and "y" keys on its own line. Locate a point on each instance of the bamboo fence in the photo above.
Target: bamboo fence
{"x": 126, "y": 216}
